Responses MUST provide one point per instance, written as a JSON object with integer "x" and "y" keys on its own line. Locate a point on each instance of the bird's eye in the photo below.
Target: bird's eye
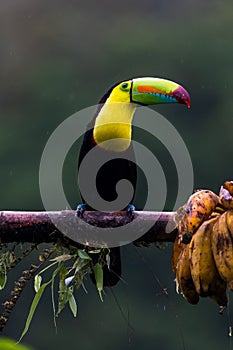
{"x": 125, "y": 86}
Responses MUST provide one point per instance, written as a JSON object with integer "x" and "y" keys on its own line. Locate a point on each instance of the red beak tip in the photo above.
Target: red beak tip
{"x": 182, "y": 96}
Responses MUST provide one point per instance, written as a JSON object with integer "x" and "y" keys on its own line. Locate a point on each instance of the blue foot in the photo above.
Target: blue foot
{"x": 130, "y": 210}
{"x": 80, "y": 210}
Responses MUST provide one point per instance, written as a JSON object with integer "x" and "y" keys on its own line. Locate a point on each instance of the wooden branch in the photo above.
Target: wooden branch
{"x": 38, "y": 227}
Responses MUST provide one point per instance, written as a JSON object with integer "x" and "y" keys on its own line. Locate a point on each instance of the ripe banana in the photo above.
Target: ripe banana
{"x": 184, "y": 281}
{"x": 198, "y": 208}
{"x": 204, "y": 273}
{"x": 222, "y": 246}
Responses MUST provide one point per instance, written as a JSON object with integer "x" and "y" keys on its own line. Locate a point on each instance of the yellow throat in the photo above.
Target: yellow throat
{"x": 113, "y": 125}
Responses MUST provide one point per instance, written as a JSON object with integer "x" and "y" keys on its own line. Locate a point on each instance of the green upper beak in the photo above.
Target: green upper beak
{"x": 150, "y": 91}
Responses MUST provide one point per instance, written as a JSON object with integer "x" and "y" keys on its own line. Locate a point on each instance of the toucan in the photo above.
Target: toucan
{"x": 110, "y": 131}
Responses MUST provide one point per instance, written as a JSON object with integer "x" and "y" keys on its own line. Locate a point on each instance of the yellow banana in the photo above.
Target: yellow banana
{"x": 202, "y": 264}
{"x": 222, "y": 246}
{"x": 177, "y": 249}
{"x": 184, "y": 281}
{"x": 198, "y": 208}
{"x": 204, "y": 273}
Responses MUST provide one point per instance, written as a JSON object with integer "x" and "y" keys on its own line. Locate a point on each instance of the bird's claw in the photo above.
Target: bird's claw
{"x": 82, "y": 207}
{"x": 130, "y": 210}
{"x": 80, "y": 210}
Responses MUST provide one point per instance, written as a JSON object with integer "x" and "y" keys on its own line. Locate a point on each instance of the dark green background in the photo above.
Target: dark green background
{"x": 58, "y": 57}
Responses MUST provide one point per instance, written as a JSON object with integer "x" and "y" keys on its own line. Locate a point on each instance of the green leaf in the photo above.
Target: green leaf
{"x": 63, "y": 257}
{"x": 33, "y": 308}
{"x": 3, "y": 275}
{"x": 55, "y": 272}
{"x": 48, "y": 267}
{"x": 36, "y": 300}
{"x": 83, "y": 255}
{"x": 81, "y": 264}
{"x": 9, "y": 257}
{"x": 94, "y": 251}
{"x": 8, "y": 344}
{"x": 73, "y": 305}
{"x": 37, "y": 282}
{"x": 98, "y": 272}
{"x": 64, "y": 291}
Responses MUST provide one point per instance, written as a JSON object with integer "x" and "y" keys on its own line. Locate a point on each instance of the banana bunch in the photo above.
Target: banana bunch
{"x": 196, "y": 272}
{"x": 203, "y": 251}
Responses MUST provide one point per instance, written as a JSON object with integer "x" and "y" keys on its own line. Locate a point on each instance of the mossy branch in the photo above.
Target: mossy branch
{"x": 38, "y": 227}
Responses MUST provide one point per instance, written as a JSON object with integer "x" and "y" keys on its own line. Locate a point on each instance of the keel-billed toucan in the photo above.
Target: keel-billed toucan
{"x": 113, "y": 121}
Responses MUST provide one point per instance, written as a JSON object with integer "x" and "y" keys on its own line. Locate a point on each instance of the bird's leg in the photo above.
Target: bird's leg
{"x": 130, "y": 210}
{"x": 80, "y": 210}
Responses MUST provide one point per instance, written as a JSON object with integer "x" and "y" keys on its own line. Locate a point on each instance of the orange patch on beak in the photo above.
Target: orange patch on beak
{"x": 150, "y": 89}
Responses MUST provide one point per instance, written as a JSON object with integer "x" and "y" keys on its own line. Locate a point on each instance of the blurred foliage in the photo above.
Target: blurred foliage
{"x": 8, "y": 344}
{"x": 60, "y": 56}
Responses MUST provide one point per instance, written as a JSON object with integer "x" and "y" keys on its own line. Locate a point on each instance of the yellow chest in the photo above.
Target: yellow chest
{"x": 113, "y": 126}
